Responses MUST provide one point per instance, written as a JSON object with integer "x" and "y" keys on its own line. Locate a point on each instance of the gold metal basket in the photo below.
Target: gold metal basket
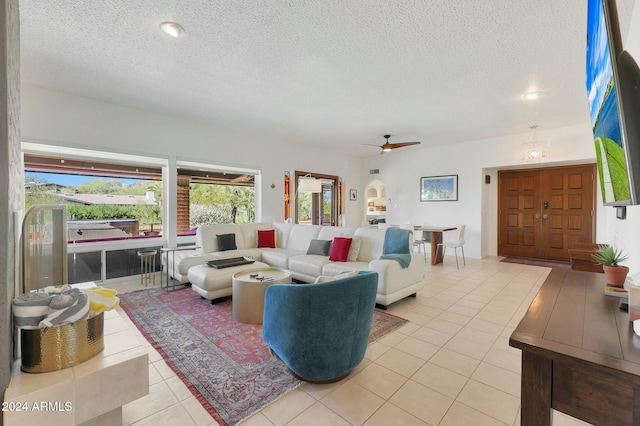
{"x": 61, "y": 346}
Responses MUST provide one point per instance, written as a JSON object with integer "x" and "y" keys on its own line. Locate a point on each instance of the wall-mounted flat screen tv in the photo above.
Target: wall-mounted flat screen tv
{"x": 613, "y": 87}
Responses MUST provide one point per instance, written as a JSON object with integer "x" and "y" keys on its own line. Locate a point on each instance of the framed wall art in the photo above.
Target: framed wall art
{"x": 439, "y": 188}
{"x": 353, "y": 194}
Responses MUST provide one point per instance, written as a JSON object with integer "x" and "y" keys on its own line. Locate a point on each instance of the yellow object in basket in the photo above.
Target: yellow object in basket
{"x": 101, "y": 299}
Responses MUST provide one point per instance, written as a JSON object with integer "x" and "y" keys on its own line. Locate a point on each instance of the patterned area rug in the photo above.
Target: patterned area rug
{"x": 224, "y": 363}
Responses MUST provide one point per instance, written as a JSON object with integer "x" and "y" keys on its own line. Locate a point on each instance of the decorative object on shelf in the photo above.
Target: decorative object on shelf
{"x": 439, "y": 188}
{"x": 609, "y": 258}
{"x": 353, "y": 194}
{"x": 534, "y": 151}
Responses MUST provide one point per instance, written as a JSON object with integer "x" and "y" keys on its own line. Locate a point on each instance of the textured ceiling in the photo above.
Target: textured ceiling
{"x": 332, "y": 73}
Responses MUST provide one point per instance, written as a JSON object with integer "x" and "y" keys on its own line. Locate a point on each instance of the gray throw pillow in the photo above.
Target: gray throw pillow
{"x": 320, "y": 247}
{"x": 226, "y": 242}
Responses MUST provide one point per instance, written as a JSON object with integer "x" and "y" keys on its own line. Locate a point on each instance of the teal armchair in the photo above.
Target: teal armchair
{"x": 321, "y": 331}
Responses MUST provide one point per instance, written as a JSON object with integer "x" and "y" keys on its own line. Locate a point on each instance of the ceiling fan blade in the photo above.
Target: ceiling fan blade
{"x": 400, "y": 145}
{"x": 370, "y": 144}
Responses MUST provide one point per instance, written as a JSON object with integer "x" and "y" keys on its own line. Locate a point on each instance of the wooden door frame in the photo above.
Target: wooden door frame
{"x": 334, "y": 199}
{"x": 542, "y": 169}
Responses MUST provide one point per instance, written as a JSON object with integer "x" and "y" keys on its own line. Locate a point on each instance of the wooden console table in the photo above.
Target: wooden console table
{"x": 436, "y": 238}
{"x": 580, "y": 355}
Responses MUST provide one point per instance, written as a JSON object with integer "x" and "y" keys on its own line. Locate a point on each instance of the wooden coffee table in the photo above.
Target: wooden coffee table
{"x": 248, "y": 292}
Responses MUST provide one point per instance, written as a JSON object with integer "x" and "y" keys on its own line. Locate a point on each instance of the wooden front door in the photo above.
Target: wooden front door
{"x": 541, "y": 212}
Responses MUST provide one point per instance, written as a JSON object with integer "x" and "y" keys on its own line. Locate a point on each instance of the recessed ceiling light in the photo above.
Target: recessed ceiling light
{"x": 171, "y": 28}
{"x": 532, "y": 95}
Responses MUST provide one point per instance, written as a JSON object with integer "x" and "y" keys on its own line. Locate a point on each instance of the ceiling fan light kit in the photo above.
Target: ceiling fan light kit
{"x": 386, "y": 147}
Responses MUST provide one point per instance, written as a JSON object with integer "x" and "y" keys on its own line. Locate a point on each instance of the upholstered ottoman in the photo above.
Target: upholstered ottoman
{"x": 212, "y": 283}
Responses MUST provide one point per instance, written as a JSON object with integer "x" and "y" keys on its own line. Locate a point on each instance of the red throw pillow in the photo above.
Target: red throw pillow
{"x": 267, "y": 238}
{"x": 340, "y": 249}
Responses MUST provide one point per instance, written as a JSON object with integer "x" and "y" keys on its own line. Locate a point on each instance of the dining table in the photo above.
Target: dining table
{"x": 436, "y": 238}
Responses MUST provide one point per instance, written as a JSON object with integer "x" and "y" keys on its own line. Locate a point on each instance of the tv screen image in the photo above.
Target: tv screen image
{"x": 604, "y": 108}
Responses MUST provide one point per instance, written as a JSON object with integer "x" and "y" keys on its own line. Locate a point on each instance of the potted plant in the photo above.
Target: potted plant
{"x": 609, "y": 258}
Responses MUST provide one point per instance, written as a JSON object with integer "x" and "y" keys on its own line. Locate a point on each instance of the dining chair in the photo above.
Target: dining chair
{"x": 426, "y": 242}
{"x": 420, "y": 238}
{"x": 454, "y": 246}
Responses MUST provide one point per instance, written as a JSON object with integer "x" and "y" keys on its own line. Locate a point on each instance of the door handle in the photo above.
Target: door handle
{"x": 545, "y": 217}
{"x": 537, "y": 215}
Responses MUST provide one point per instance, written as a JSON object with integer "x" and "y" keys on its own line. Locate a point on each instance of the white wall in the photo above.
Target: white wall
{"x": 63, "y": 119}
{"x": 471, "y": 161}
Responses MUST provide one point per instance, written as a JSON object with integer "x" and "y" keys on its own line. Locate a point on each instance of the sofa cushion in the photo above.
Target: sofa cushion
{"x": 372, "y": 241}
{"x": 206, "y": 236}
{"x": 319, "y": 247}
{"x": 340, "y": 249}
{"x": 186, "y": 262}
{"x": 226, "y": 242}
{"x": 278, "y": 257}
{"x": 266, "y": 238}
{"x": 250, "y": 232}
{"x": 282, "y": 233}
{"x": 301, "y": 235}
{"x": 308, "y": 265}
{"x": 330, "y": 232}
{"x": 255, "y": 253}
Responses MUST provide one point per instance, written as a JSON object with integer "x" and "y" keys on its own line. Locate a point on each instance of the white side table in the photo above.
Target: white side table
{"x": 248, "y": 292}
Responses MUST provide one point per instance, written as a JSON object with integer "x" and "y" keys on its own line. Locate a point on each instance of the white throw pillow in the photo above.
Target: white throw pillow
{"x": 325, "y": 278}
{"x": 354, "y": 249}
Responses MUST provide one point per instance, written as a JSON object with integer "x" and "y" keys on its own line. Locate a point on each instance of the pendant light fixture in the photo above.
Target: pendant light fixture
{"x": 309, "y": 184}
{"x": 534, "y": 151}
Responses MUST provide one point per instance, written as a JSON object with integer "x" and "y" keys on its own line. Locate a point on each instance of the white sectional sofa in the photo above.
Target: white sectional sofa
{"x": 292, "y": 243}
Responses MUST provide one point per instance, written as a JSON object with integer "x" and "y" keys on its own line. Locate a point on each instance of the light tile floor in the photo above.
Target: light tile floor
{"x": 451, "y": 365}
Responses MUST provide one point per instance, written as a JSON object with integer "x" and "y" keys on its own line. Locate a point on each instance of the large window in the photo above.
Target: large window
{"x": 105, "y": 201}
{"x": 117, "y": 204}
{"x": 210, "y": 195}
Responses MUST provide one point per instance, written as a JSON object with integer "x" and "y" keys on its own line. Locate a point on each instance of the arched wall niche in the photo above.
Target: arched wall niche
{"x": 375, "y": 202}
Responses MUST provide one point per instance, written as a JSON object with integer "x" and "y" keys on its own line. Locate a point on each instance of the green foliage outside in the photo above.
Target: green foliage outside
{"x": 43, "y": 194}
{"x": 142, "y": 212}
{"x": 617, "y": 168}
{"x": 212, "y": 204}
{"x": 304, "y": 207}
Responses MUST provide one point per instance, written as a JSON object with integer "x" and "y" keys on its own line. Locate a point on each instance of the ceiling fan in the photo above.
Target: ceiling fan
{"x": 390, "y": 146}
